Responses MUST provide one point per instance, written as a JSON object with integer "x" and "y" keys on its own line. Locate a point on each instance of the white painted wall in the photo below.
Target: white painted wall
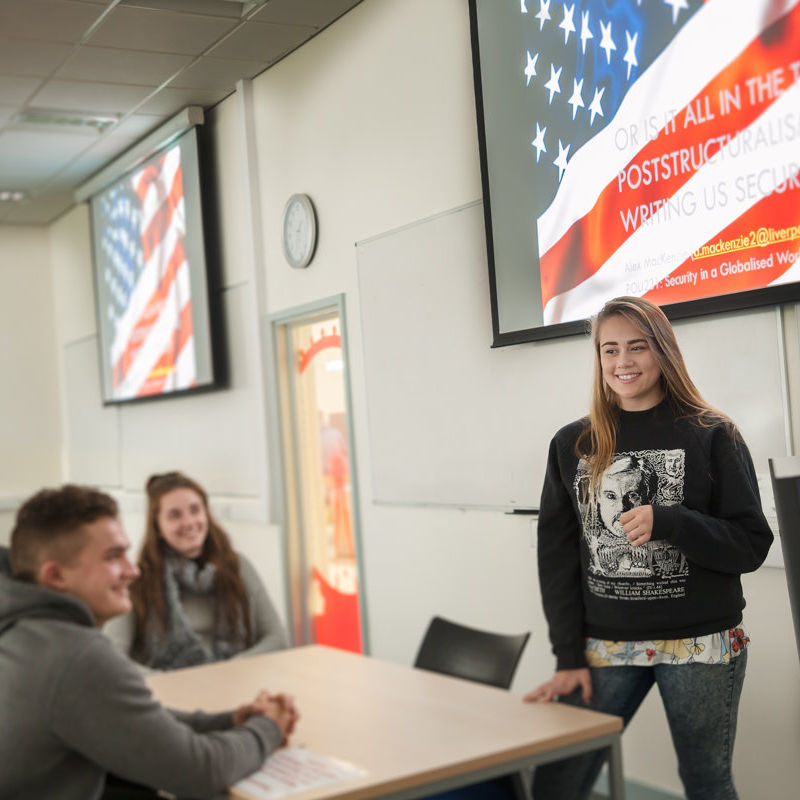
{"x": 375, "y": 119}
{"x": 30, "y": 426}
{"x": 217, "y": 438}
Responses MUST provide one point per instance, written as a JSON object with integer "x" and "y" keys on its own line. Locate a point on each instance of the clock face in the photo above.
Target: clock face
{"x": 299, "y": 230}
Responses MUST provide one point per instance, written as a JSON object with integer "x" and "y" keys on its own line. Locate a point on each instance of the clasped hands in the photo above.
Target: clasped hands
{"x": 280, "y": 708}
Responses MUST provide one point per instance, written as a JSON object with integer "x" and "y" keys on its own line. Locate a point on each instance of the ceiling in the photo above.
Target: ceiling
{"x": 126, "y": 64}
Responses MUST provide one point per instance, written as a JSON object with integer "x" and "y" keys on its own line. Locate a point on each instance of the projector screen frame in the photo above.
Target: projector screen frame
{"x": 734, "y": 301}
{"x": 206, "y": 307}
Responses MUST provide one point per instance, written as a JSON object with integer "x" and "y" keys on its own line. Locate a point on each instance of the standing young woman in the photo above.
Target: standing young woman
{"x": 196, "y": 600}
{"x": 649, "y": 514}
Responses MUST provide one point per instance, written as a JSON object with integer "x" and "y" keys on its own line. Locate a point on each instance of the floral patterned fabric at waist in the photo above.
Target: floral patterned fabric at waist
{"x": 713, "y": 648}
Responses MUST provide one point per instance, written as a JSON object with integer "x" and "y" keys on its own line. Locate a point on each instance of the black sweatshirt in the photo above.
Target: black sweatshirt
{"x": 708, "y": 528}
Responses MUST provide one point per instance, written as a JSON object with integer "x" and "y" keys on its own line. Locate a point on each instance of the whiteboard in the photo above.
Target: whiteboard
{"x": 453, "y": 422}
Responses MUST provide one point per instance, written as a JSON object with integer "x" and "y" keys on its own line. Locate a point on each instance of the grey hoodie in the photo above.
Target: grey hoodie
{"x": 73, "y": 708}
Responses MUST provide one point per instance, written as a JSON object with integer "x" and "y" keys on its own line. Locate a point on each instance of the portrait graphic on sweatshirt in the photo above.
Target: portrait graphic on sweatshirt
{"x": 654, "y": 570}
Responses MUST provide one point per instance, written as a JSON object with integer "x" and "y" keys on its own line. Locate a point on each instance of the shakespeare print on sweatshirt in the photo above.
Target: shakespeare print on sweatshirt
{"x": 656, "y": 570}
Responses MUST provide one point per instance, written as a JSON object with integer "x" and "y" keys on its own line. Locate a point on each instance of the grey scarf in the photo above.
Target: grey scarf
{"x": 180, "y": 646}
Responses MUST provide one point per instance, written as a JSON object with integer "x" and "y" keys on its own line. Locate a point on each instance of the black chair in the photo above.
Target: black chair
{"x": 476, "y": 655}
{"x": 483, "y": 657}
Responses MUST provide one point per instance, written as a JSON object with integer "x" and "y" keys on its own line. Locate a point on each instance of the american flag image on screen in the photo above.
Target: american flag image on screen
{"x": 146, "y": 274}
{"x": 667, "y": 146}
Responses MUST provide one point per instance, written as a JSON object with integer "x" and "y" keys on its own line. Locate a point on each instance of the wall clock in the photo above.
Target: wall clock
{"x": 299, "y": 230}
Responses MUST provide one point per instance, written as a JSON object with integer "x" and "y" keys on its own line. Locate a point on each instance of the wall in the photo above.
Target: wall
{"x": 217, "y": 437}
{"x": 30, "y": 426}
{"x": 375, "y": 119}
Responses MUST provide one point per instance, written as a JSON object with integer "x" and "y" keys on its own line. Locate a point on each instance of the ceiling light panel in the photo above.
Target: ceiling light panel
{"x": 79, "y": 121}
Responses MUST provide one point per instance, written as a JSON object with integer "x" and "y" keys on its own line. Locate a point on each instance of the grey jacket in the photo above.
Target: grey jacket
{"x": 72, "y": 708}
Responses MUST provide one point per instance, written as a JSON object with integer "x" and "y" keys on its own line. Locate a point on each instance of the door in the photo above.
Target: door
{"x": 321, "y": 526}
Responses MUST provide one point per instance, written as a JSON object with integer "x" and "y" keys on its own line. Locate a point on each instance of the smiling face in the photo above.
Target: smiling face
{"x": 628, "y": 365}
{"x": 100, "y": 572}
{"x": 183, "y": 521}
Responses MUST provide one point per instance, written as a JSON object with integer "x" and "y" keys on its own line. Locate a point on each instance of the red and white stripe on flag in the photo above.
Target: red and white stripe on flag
{"x": 153, "y": 349}
{"x": 632, "y": 210}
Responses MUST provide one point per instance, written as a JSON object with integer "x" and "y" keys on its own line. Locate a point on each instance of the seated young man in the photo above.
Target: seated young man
{"x": 73, "y": 707}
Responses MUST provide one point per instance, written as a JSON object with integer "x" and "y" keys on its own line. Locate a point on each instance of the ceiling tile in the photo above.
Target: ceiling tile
{"x": 107, "y": 149}
{"x": 76, "y": 173}
{"x": 29, "y": 57}
{"x": 170, "y": 101}
{"x": 138, "y": 125}
{"x": 28, "y": 157}
{"x": 211, "y": 8}
{"x": 262, "y": 42}
{"x": 47, "y": 20}
{"x": 122, "y": 66}
{"x": 160, "y": 31}
{"x": 80, "y": 170}
{"x": 6, "y": 112}
{"x": 110, "y": 98}
{"x": 45, "y": 62}
{"x": 15, "y": 89}
{"x": 317, "y": 13}
{"x": 91, "y": 162}
{"x": 217, "y": 73}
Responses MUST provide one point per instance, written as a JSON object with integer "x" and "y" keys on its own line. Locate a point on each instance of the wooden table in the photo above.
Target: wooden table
{"x": 414, "y": 732}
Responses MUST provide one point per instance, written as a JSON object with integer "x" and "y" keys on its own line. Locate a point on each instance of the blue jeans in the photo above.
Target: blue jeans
{"x": 701, "y": 701}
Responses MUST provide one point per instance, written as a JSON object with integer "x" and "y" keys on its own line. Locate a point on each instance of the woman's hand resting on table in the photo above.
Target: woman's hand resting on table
{"x": 565, "y": 681}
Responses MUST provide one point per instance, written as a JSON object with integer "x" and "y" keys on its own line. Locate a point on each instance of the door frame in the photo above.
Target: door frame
{"x": 289, "y": 512}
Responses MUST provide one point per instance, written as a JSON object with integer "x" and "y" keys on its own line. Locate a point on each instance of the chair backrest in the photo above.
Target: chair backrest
{"x": 469, "y": 653}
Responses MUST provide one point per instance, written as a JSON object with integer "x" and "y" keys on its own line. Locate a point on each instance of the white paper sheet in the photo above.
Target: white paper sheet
{"x": 293, "y": 770}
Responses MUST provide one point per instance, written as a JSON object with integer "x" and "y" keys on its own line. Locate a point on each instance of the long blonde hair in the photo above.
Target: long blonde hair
{"x": 598, "y": 439}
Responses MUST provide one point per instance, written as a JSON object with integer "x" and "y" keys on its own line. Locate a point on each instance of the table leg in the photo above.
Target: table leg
{"x": 616, "y": 783}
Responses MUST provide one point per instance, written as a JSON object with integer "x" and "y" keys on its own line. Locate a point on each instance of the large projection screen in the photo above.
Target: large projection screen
{"x": 637, "y": 147}
{"x": 150, "y": 278}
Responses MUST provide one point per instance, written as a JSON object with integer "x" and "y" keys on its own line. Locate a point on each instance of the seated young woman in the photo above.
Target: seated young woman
{"x": 196, "y": 600}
